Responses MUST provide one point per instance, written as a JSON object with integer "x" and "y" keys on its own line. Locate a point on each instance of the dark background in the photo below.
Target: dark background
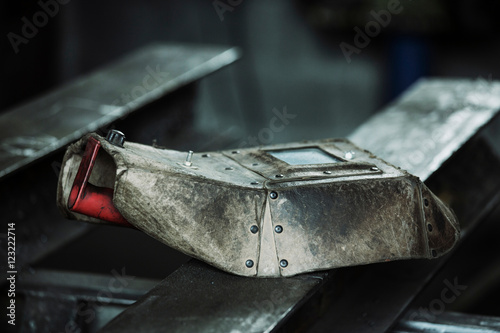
{"x": 291, "y": 55}
{"x": 291, "y": 58}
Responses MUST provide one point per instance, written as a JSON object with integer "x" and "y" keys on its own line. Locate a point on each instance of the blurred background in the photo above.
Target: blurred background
{"x": 291, "y": 55}
{"x": 305, "y": 57}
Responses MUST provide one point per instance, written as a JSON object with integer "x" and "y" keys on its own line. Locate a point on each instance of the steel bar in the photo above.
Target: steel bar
{"x": 78, "y": 299}
{"x": 46, "y": 124}
{"x": 421, "y": 130}
{"x": 200, "y": 298}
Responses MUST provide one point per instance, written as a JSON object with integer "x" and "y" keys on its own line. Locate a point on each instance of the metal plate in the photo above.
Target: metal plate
{"x": 429, "y": 123}
{"x": 46, "y": 124}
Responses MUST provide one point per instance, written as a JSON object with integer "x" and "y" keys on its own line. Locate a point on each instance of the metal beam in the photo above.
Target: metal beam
{"x": 46, "y": 124}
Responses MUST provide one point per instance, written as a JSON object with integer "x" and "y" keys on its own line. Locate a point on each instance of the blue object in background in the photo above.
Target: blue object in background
{"x": 409, "y": 60}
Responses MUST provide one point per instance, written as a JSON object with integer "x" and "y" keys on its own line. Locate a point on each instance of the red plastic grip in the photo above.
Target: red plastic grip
{"x": 90, "y": 200}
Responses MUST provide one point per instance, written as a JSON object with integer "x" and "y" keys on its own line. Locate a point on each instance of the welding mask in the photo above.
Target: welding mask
{"x": 271, "y": 211}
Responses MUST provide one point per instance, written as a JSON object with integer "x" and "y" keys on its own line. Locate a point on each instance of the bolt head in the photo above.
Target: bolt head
{"x": 283, "y": 263}
{"x": 116, "y": 138}
{"x": 278, "y": 229}
{"x": 273, "y": 195}
{"x": 327, "y": 172}
{"x": 249, "y": 263}
{"x": 349, "y": 155}
{"x": 254, "y": 229}
{"x": 374, "y": 169}
{"x": 279, "y": 176}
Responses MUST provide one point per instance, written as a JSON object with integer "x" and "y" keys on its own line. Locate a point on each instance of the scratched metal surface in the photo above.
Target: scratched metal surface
{"x": 372, "y": 296}
{"x": 46, "y": 124}
{"x": 428, "y": 123}
{"x": 200, "y": 298}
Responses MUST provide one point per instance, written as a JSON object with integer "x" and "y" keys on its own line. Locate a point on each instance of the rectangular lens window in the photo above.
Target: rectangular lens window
{"x": 304, "y": 156}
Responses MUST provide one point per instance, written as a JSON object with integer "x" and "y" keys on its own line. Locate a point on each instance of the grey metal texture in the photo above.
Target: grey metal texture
{"x": 364, "y": 298}
{"x": 205, "y": 208}
{"x": 81, "y": 300}
{"x": 424, "y": 127}
{"x": 44, "y": 125}
{"x": 451, "y": 322}
{"x": 200, "y": 298}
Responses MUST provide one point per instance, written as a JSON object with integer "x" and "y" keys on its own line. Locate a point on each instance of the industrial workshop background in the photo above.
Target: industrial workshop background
{"x": 308, "y": 70}
{"x": 291, "y": 55}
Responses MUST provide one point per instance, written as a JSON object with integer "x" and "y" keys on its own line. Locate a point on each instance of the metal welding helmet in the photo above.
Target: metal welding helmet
{"x": 270, "y": 211}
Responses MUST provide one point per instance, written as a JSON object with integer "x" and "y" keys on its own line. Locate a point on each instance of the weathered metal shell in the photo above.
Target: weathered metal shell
{"x": 308, "y": 217}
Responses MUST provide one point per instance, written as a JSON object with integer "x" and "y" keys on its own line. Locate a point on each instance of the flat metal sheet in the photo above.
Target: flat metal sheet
{"x": 429, "y": 123}
{"x": 44, "y": 125}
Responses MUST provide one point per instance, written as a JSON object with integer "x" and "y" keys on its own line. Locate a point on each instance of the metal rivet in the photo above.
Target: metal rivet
{"x": 429, "y": 227}
{"x": 426, "y": 202}
{"x": 229, "y": 168}
{"x": 235, "y": 152}
{"x": 273, "y": 195}
{"x": 374, "y": 169}
{"x": 349, "y": 155}
{"x": 189, "y": 157}
{"x": 205, "y": 155}
{"x": 327, "y": 172}
{"x": 434, "y": 253}
{"x": 278, "y": 229}
{"x": 255, "y": 164}
{"x": 116, "y": 138}
{"x": 255, "y": 183}
{"x": 279, "y": 176}
{"x": 254, "y": 229}
{"x": 283, "y": 263}
{"x": 249, "y": 263}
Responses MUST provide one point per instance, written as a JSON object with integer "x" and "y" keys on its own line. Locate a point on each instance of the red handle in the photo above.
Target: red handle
{"x": 90, "y": 200}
